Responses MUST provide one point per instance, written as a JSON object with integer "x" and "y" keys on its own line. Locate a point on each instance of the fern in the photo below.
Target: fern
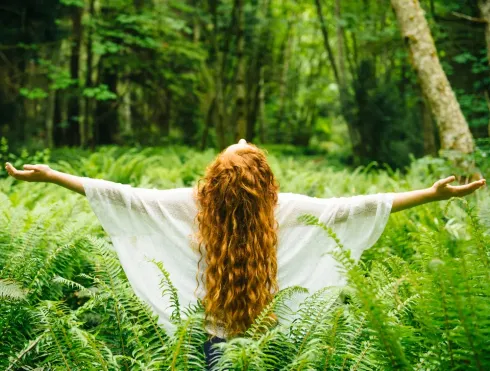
{"x": 418, "y": 299}
{"x": 10, "y": 290}
{"x": 168, "y": 288}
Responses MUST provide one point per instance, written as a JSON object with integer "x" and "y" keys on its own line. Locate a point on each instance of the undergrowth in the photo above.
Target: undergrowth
{"x": 418, "y": 300}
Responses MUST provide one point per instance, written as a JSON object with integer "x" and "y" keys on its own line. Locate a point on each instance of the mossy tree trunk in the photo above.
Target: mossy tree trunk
{"x": 484, "y": 6}
{"x": 453, "y": 129}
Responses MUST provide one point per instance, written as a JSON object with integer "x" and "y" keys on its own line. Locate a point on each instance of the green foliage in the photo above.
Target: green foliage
{"x": 19, "y": 159}
{"x": 77, "y": 3}
{"x": 100, "y": 92}
{"x": 36, "y": 93}
{"x": 418, "y": 299}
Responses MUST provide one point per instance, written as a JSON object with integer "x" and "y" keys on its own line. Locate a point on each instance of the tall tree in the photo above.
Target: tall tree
{"x": 484, "y": 6}
{"x": 453, "y": 129}
{"x": 74, "y": 101}
{"x": 86, "y": 135}
{"x": 340, "y": 43}
{"x": 339, "y": 78}
{"x": 240, "y": 99}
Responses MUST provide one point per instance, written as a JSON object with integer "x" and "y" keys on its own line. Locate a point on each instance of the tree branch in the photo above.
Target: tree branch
{"x": 468, "y": 18}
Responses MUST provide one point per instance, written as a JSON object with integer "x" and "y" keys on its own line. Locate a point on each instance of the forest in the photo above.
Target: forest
{"x": 348, "y": 97}
{"x": 313, "y": 74}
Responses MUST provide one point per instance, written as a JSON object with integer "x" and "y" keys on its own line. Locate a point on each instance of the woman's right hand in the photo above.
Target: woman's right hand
{"x": 31, "y": 173}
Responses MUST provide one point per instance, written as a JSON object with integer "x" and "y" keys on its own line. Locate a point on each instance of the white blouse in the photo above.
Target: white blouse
{"x": 150, "y": 224}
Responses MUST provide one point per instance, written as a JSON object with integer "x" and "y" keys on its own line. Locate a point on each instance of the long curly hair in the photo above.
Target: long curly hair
{"x": 238, "y": 231}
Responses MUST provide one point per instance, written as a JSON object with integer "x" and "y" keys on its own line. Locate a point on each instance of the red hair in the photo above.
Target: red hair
{"x": 237, "y": 228}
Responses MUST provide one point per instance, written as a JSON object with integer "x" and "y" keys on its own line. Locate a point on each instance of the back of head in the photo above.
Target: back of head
{"x": 238, "y": 231}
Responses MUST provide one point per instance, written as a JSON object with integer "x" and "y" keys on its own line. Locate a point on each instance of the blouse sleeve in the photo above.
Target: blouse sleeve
{"x": 357, "y": 221}
{"x": 126, "y": 210}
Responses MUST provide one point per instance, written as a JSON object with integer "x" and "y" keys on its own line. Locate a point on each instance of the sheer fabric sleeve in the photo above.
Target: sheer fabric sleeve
{"x": 147, "y": 225}
{"x": 357, "y": 221}
{"x": 124, "y": 210}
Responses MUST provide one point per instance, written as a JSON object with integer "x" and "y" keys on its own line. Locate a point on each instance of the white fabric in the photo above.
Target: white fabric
{"x": 146, "y": 224}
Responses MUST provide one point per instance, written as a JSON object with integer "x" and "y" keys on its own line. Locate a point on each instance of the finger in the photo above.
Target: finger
{"x": 23, "y": 174}
{"x": 18, "y": 174}
{"x": 447, "y": 180}
{"x": 31, "y": 167}
{"x": 471, "y": 187}
{"x": 10, "y": 168}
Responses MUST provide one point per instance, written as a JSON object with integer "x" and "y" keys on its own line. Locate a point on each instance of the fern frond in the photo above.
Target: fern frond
{"x": 278, "y": 306}
{"x": 168, "y": 288}
{"x": 11, "y": 290}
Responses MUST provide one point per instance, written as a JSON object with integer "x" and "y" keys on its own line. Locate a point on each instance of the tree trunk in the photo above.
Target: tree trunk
{"x": 106, "y": 123}
{"x": 87, "y": 137}
{"x": 354, "y": 135}
{"x": 219, "y": 68}
{"x": 484, "y": 6}
{"x": 453, "y": 128}
{"x": 240, "y": 100}
{"x": 50, "y": 105}
{"x": 258, "y": 63}
{"x": 54, "y": 53}
{"x": 124, "y": 109}
{"x": 326, "y": 43}
{"x": 165, "y": 112}
{"x": 220, "y": 125}
{"x": 196, "y": 24}
{"x": 261, "y": 108}
{"x": 430, "y": 148}
{"x": 209, "y": 122}
{"x": 340, "y": 44}
{"x": 283, "y": 83}
{"x": 60, "y": 118}
{"x": 73, "y": 134}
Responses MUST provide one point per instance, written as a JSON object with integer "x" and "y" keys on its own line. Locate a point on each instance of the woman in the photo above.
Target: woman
{"x": 235, "y": 233}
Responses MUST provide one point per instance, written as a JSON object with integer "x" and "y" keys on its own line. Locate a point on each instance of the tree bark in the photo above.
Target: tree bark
{"x": 73, "y": 135}
{"x": 209, "y": 121}
{"x": 124, "y": 109}
{"x": 219, "y": 71}
{"x": 54, "y": 53}
{"x": 60, "y": 118}
{"x": 484, "y": 6}
{"x": 283, "y": 83}
{"x": 261, "y": 108}
{"x": 453, "y": 129}
{"x": 240, "y": 100}
{"x": 354, "y": 134}
{"x": 165, "y": 111}
{"x": 87, "y": 137}
{"x": 326, "y": 43}
{"x": 430, "y": 148}
{"x": 196, "y": 24}
{"x": 257, "y": 63}
{"x": 106, "y": 123}
{"x": 340, "y": 44}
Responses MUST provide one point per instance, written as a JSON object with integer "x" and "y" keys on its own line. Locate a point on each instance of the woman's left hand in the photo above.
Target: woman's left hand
{"x": 444, "y": 191}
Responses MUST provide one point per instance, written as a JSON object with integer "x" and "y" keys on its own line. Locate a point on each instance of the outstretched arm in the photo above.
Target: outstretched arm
{"x": 441, "y": 190}
{"x": 43, "y": 173}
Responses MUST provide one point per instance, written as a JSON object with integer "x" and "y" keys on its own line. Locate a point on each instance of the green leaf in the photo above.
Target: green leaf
{"x": 77, "y": 3}
{"x": 36, "y": 93}
{"x": 100, "y": 92}
{"x": 464, "y": 58}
